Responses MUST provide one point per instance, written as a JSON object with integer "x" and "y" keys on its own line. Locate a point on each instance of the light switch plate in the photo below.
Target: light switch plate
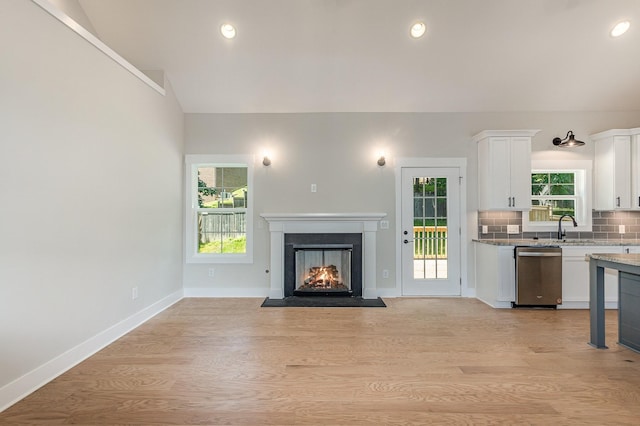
{"x": 513, "y": 229}
{"x": 485, "y": 229}
{"x": 621, "y": 229}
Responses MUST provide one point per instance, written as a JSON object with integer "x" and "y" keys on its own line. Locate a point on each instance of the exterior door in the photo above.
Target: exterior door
{"x": 430, "y": 231}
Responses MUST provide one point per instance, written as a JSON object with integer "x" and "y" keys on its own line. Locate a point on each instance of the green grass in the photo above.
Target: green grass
{"x": 229, "y": 245}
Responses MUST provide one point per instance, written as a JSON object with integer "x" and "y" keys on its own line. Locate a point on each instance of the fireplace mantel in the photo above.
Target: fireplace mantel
{"x": 324, "y": 223}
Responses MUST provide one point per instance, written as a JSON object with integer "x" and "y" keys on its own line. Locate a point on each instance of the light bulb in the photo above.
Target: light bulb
{"x": 418, "y": 29}
{"x": 228, "y": 31}
{"x": 620, "y": 28}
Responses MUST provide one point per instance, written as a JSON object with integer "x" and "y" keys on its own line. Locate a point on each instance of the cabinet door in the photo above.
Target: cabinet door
{"x": 498, "y": 188}
{"x": 622, "y": 172}
{"x": 575, "y": 276}
{"x": 613, "y": 173}
{"x": 635, "y": 172}
{"x": 520, "y": 172}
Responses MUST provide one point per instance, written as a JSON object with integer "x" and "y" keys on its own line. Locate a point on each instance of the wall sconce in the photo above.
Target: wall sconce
{"x": 569, "y": 141}
{"x": 266, "y": 161}
{"x": 381, "y": 160}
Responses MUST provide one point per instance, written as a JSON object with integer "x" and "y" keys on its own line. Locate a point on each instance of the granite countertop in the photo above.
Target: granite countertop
{"x": 567, "y": 242}
{"x": 632, "y": 259}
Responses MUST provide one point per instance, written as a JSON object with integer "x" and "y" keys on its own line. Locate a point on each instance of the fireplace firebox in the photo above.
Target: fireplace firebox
{"x": 323, "y": 268}
{"x": 323, "y": 265}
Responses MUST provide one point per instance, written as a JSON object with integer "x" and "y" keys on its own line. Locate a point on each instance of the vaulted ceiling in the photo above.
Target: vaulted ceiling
{"x": 356, "y": 55}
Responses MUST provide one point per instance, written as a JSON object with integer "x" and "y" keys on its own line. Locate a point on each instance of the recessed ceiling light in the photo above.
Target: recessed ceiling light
{"x": 228, "y": 31}
{"x": 418, "y": 29}
{"x": 620, "y": 28}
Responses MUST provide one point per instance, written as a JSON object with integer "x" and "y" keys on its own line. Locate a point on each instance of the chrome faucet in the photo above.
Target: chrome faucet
{"x": 561, "y": 233}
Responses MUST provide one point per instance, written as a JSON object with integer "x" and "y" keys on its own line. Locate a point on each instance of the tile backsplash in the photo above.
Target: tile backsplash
{"x": 605, "y": 225}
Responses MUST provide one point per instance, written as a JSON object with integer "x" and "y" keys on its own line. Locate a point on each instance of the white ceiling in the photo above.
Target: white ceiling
{"x": 356, "y": 55}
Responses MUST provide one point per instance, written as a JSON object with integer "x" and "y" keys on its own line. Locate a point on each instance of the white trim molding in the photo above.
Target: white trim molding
{"x": 99, "y": 44}
{"x": 33, "y": 380}
{"x": 226, "y": 292}
{"x": 465, "y": 239}
{"x": 328, "y": 223}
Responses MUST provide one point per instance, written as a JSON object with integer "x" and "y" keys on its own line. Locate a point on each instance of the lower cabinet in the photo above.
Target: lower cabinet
{"x": 495, "y": 275}
{"x": 496, "y": 283}
{"x": 575, "y": 277}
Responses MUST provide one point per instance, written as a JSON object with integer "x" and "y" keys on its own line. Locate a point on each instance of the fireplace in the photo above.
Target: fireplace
{"x": 324, "y": 225}
{"x": 323, "y": 264}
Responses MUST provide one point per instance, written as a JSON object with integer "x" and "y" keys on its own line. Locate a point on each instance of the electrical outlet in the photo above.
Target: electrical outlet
{"x": 314, "y": 187}
{"x": 485, "y": 229}
{"x": 385, "y": 273}
{"x": 384, "y": 224}
{"x": 513, "y": 229}
{"x": 211, "y": 272}
{"x": 134, "y": 293}
{"x": 621, "y": 229}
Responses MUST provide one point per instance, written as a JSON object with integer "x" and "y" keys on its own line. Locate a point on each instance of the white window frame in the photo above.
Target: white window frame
{"x": 192, "y": 163}
{"x": 583, "y": 189}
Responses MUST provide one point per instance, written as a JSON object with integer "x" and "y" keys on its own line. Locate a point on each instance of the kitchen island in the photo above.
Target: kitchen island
{"x": 628, "y": 267}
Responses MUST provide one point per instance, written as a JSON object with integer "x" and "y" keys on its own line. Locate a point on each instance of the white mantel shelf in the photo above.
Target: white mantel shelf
{"x": 272, "y": 217}
{"x": 326, "y": 223}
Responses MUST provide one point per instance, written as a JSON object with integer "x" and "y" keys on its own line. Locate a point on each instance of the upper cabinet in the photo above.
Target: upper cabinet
{"x": 617, "y": 174}
{"x": 504, "y": 169}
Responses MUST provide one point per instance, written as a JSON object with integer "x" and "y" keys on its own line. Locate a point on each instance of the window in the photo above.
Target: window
{"x": 219, "y": 209}
{"x": 559, "y": 188}
{"x": 553, "y": 194}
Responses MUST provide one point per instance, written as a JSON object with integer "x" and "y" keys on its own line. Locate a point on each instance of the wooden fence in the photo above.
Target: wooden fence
{"x": 429, "y": 242}
{"x": 220, "y": 226}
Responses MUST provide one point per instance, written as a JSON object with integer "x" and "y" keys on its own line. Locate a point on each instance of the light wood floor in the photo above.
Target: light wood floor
{"x": 419, "y": 361}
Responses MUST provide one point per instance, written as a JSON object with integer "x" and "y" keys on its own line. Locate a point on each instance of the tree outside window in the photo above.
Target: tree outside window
{"x": 553, "y": 194}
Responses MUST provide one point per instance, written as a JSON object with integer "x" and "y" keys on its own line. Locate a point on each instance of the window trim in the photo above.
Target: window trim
{"x": 192, "y": 163}
{"x": 583, "y": 194}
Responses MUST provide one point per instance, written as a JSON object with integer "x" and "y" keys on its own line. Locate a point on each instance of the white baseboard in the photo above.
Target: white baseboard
{"x": 469, "y": 292}
{"x": 33, "y": 380}
{"x": 226, "y": 292}
{"x": 388, "y": 292}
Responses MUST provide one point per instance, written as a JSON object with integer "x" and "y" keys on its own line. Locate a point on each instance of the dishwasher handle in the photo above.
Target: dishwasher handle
{"x": 539, "y": 254}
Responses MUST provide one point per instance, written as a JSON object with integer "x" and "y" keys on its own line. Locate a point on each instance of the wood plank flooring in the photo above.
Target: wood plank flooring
{"x": 418, "y": 361}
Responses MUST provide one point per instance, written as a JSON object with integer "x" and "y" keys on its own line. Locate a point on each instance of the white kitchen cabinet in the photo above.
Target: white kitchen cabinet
{"x": 575, "y": 277}
{"x": 495, "y": 275}
{"x": 504, "y": 169}
{"x": 496, "y": 283}
{"x": 617, "y": 178}
{"x": 635, "y": 171}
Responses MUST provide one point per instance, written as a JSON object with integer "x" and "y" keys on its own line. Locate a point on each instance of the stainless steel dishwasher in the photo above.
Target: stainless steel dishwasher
{"x": 538, "y": 276}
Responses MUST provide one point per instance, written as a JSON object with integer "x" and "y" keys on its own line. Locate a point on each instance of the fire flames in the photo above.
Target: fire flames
{"x": 323, "y": 277}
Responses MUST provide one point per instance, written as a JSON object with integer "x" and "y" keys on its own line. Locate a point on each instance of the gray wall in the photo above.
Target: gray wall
{"x": 337, "y": 151}
{"x": 91, "y": 170}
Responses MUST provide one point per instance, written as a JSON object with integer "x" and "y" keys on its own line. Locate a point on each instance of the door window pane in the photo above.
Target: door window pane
{"x": 430, "y": 228}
